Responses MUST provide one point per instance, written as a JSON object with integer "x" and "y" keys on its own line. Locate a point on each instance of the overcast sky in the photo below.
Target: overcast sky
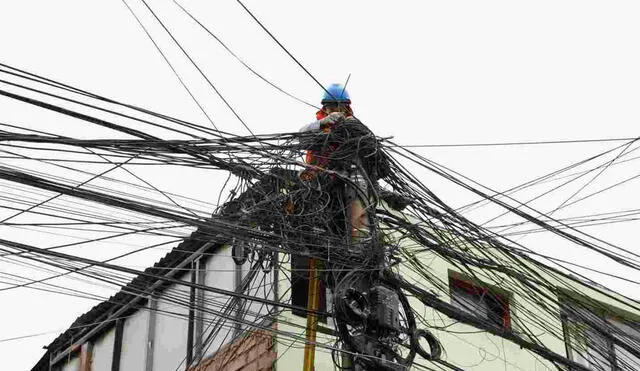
{"x": 423, "y": 72}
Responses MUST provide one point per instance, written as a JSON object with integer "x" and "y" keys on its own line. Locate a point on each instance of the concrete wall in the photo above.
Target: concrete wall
{"x": 464, "y": 346}
{"x": 262, "y": 287}
{"x": 72, "y": 365}
{"x": 134, "y": 341}
{"x": 172, "y": 322}
{"x": 470, "y": 349}
{"x": 103, "y": 352}
{"x": 220, "y": 273}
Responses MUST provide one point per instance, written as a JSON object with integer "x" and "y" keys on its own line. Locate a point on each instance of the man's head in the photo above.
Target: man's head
{"x": 336, "y": 99}
{"x": 336, "y": 107}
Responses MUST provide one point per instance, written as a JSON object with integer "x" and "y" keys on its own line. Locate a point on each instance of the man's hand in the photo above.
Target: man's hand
{"x": 330, "y": 120}
{"x": 325, "y": 123}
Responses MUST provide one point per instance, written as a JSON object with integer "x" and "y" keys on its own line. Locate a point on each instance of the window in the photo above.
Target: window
{"x": 300, "y": 286}
{"x": 480, "y": 300}
{"x": 600, "y": 340}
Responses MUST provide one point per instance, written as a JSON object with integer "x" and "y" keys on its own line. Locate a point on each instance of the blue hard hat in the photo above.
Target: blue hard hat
{"x": 336, "y": 93}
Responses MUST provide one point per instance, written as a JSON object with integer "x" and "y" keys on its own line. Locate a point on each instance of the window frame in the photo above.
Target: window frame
{"x": 489, "y": 295}
{"x": 570, "y": 301}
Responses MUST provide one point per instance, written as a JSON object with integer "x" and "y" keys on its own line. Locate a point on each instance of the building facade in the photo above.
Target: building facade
{"x": 155, "y": 325}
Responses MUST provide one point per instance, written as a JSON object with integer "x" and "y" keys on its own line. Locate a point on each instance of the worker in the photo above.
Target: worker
{"x": 336, "y": 105}
{"x": 346, "y": 148}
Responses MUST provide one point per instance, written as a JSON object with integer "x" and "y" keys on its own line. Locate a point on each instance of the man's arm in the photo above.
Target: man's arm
{"x": 312, "y": 126}
{"x": 326, "y": 122}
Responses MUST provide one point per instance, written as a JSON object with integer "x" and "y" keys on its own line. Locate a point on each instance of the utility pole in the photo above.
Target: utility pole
{"x": 313, "y": 304}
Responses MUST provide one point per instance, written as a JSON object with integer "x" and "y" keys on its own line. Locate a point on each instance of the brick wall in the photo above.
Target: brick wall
{"x": 253, "y": 352}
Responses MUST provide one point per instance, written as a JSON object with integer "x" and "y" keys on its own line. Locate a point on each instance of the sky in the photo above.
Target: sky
{"x": 421, "y": 72}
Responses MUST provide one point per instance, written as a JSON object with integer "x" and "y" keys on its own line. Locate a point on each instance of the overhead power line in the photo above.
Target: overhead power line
{"x": 504, "y": 144}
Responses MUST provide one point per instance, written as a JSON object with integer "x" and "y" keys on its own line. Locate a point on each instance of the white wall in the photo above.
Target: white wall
{"x": 220, "y": 274}
{"x": 103, "y": 351}
{"x": 262, "y": 287}
{"x": 172, "y": 323}
{"x": 72, "y": 365}
{"x": 134, "y": 341}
